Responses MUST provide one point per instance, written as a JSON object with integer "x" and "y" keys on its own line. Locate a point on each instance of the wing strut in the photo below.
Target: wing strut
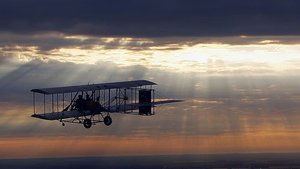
{"x": 66, "y": 109}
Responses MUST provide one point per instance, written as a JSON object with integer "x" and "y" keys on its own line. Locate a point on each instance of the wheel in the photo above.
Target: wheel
{"x": 107, "y": 120}
{"x": 87, "y": 123}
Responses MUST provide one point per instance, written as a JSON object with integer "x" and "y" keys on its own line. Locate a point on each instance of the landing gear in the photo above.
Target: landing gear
{"x": 87, "y": 123}
{"x": 107, "y": 120}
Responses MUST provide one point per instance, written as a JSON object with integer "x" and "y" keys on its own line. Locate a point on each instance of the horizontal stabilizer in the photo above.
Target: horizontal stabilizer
{"x": 167, "y": 101}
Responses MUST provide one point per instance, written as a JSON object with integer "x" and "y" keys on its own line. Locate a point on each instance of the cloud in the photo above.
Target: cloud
{"x": 45, "y": 42}
{"x": 215, "y": 104}
{"x": 16, "y": 84}
{"x": 48, "y": 44}
{"x": 214, "y": 18}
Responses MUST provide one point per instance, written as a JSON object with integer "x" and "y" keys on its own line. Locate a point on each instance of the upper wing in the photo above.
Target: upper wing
{"x": 93, "y": 87}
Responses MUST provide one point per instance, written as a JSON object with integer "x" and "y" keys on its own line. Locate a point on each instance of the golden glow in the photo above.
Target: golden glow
{"x": 207, "y": 58}
{"x": 202, "y": 126}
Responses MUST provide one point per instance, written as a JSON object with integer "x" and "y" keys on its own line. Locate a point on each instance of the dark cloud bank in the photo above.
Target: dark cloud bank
{"x": 135, "y": 18}
{"x": 170, "y": 24}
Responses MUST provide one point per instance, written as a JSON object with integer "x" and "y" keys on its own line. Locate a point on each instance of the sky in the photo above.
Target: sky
{"x": 236, "y": 64}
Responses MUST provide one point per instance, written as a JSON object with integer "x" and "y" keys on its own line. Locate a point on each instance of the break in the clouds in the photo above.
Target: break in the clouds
{"x": 152, "y": 18}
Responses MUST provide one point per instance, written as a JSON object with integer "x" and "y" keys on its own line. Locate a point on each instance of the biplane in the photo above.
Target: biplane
{"x": 93, "y": 103}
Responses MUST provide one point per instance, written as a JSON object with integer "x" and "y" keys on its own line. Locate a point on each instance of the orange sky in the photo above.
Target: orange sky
{"x": 260, "y": 141}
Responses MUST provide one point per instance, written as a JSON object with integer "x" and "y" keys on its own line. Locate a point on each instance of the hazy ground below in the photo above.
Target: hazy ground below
{"x": 261, "y": 160}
